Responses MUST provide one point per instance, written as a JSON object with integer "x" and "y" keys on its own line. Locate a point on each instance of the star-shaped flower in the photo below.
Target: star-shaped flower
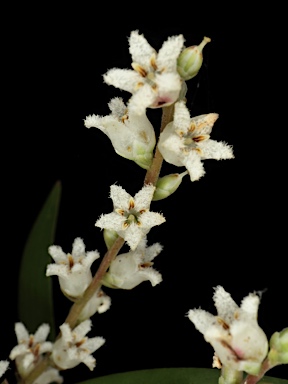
{"x": 72, "y": 269}
{"x": 154, "y": 81}
{"x": 132, "y": 135}
{"x": 238, "y": 341}
{"x": 73, "y": 347}
{"x": 30, "y": 348}
{"x": 130, "y": 269}
{"x": 186, "y": 141}
{"x": 131, "y": 217}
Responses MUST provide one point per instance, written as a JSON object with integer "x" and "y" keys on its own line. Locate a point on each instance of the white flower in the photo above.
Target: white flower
{"x": 73, "y": 269}
{"x": 3, "y": 367}
{"x": 186, "y": 141}
{"x": 132, "y": 135}
{"x": 73, "y": 347}
{"x": 131, "y": 218}
{"x": 234, "y": 333}
{"x": 99, "y": 302}
{"x": 154, "y": 82}
{"x": 51, "y": 375}
{"x": 30, "y": 348}
{"x": 130, "y": 269}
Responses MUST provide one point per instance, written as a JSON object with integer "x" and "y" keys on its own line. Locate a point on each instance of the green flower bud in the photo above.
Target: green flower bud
{"x": 278, "y": 353}
{"x": 167, "y": 185}
{"x": 109, "y": 237}
{"x": 190, "y": 60}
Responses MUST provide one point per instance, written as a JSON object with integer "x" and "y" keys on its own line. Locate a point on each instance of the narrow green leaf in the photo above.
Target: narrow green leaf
{"x": 35, "y": 298}
{"x": 170, "y": 376}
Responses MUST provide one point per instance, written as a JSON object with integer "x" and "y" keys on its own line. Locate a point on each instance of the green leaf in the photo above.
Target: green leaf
{"x": 35, "y": 296}
{"x": 170, "y": 376}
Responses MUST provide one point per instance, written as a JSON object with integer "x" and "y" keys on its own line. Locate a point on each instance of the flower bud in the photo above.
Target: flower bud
{"x": 190, "y": 60}
{"x": 278, "y": 353}
{"x": 167, "y": 185}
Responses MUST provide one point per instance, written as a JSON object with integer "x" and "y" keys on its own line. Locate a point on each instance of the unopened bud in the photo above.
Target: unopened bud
{"x": 167, "y": 185}
{"x": 109, "y": 237}
{"x": 190, "y": 60}
{"x": 278, "y": 353}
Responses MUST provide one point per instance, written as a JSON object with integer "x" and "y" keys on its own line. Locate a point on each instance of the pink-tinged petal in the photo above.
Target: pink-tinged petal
{"x": 142, "y": 99}
{"x": 168, "y": 89}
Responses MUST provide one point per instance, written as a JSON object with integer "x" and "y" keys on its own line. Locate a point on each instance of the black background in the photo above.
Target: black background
{"x": 225, "y": 229}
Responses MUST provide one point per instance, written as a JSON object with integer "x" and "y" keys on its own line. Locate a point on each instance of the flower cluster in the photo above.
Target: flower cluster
{"x": 71, "y": 349}
{"x": 156, "y": 80}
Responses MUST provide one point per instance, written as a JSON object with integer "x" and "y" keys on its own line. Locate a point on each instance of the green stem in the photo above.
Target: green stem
{"x": 251, "y": 379}
{"x": 153, "y": 172}
{"x": 230, "y": 376}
